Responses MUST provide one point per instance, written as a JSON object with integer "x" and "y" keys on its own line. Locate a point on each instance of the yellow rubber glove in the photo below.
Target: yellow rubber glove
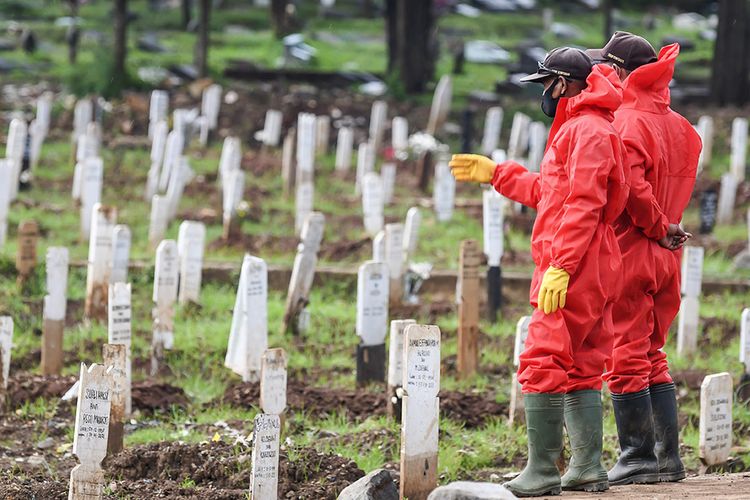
{"x": 553, "y": 291}
{"x": 472, "y": 168}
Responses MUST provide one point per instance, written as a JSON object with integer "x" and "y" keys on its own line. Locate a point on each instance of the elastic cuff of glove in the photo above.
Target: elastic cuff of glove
{"x": 496, "y": 175}
{"x": 557, "y": 265}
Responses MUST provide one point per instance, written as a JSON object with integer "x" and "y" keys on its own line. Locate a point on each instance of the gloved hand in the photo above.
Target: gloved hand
{"x": 472, "y": 168}
{"x": 553, "y": 291}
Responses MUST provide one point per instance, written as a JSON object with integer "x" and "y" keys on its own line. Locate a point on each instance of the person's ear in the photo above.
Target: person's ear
{"x": 560, "y": 87}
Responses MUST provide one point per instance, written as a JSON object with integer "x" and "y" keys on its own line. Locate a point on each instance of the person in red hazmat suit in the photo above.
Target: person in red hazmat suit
{"x": 580, "y": 191}
{"x": 662, "y": 150}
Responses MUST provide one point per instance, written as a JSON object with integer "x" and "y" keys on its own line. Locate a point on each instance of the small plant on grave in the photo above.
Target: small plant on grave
{"x": 188, "y": 483}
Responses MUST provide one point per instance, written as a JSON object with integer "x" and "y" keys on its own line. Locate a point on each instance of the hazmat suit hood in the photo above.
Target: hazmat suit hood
{"x": 647, "y": 87}
{"x": 603, "y": 94}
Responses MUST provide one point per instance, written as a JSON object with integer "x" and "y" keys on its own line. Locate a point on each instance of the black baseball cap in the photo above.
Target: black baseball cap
{"x": 625, "y": 49}
{"x": 568, "y": 62}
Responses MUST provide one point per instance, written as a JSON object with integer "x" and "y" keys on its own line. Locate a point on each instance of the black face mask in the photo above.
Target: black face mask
{"x": 549, "y": 103}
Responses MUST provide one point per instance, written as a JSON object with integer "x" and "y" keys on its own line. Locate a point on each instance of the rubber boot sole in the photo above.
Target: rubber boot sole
{"x": 589, "y": 487}
{"x": 555, "y": 490}
{"x": 650, "y": 478}
{"x": 671, "y": 477}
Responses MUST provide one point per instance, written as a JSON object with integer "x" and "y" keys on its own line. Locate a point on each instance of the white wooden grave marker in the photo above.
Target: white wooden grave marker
{"x": 103, "y": 220}
{"x": 492, "y": 126}
{"x": 365, "y": 163}
{"x": 493, "y": 205}
{"x": 705, "y": 129}
{"x": 441, "y": 104}
{"x": 516, "y": 409}
{"x": 395, "y": 365}
{"x": 394, "y": 258}
{"x": 689, "y": 316}
{"x": 55, "y": 303}
{"x": 388, "y": 175}
{"x": 344, "y": 145}
{"x": 738, "y": 158}
{"x": 727, "y": 197}
{"x": 6, "y": 171}
{"x": 445, "y": 190}
{"x": 120, "y": 254}
{"x": 210, "y": 105}
{"x": 248, "y": 337}
{"x": 537, "y": 144}
{"x": 519, "y": 136}
{"x": 322, "y": 133}
{"x": 83, "y": 113}
{"x": 372, "y": 203}
{"x": 304, "y": 201}
{"x": 172, "y": 153}
{"x": 372, "y": 303}
{"x": 91, "y": 432}
{"x": 6, "y": 345}
{"x": 91, "y": 192}
{"x": 378, "y": 116}
{"x": 230, "y": 159}
{"x": 273, "y": 382}
{"x": 715, "y": 427}
{"x": 119, "y": 330}
{"x": 233, "y": 191}
{"x": 264, "y": 478}
{"x": 306, "y": 125}
{"x": 400, "y": 135}
{"x": 157, "y": 111}
{"x": 272, "y": 128}
{"x": 164, "y": 296}
{"x": 745, "y": 339}
{"x": 411, "y": 233}
{"x": 421, "y": 411}
{"x": 190, "y": 242}
{"x": 378, "y": 247}
{"x": 303, "y": 270}
{"x": 115, "y": 358}
{"x": 157, "y": 226}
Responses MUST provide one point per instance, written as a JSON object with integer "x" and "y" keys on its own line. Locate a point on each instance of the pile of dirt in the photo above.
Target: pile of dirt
{"x": 14, "y": 486}
{"x": 222, "y": 471}
{"x": 471, "y": 409}
{"x": 153, "y": 397}
{"x": 26, "y": 387}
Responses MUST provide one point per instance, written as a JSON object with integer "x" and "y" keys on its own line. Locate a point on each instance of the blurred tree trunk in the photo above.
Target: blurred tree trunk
{"x": 280, "y": 18}
{"x": 731, "y": 70}
{"x": 187, "y": 16}
{"x": 608, "y": 7}
{"x": 121, "y": 42}
{"x": 412, "y": 42}
{"x": 202, "y": 42}
{"x": 73, "y": 34}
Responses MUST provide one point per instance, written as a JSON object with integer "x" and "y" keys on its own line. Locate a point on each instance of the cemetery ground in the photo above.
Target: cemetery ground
{"x": 189, "y": 433}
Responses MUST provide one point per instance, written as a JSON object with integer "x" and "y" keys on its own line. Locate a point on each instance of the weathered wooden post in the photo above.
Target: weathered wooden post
{"x": 372, "y": 321}
{"x": 54, "y": 310}
{"x": 468, "y": 309}
{"x": 421, "y": 411}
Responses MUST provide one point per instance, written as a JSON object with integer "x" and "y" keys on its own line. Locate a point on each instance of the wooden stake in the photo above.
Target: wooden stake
{"x": 468, "y": 309}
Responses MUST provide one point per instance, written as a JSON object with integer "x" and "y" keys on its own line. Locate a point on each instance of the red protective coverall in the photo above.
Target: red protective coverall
{"x": 580, "y": 191}
{"x": 662, "y": 150}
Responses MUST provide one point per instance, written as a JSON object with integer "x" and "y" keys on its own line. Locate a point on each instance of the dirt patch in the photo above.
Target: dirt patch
{"x": 222, "y": 471}
{"x": 690, "y": 378}
{"x": 154, "y": 397}
{"x": 254, "y": 244}
{"x": 25, "y": 387}
{"x": 345, "y": 248}
{"x": 14, "y": 486}
{"x": 472, "y": 410}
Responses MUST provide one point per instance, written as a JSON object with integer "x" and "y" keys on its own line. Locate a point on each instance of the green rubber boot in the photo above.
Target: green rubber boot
{"x": 583, "y": 420}
{"x": 544, "y": 423}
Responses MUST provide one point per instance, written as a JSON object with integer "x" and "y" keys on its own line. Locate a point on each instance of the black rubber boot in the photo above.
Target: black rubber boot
{"x": 666, "y": 429}
{"x": 544, "y": 425}
{"x": 635, "y": 428}
{"x": 583, "y": 419}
